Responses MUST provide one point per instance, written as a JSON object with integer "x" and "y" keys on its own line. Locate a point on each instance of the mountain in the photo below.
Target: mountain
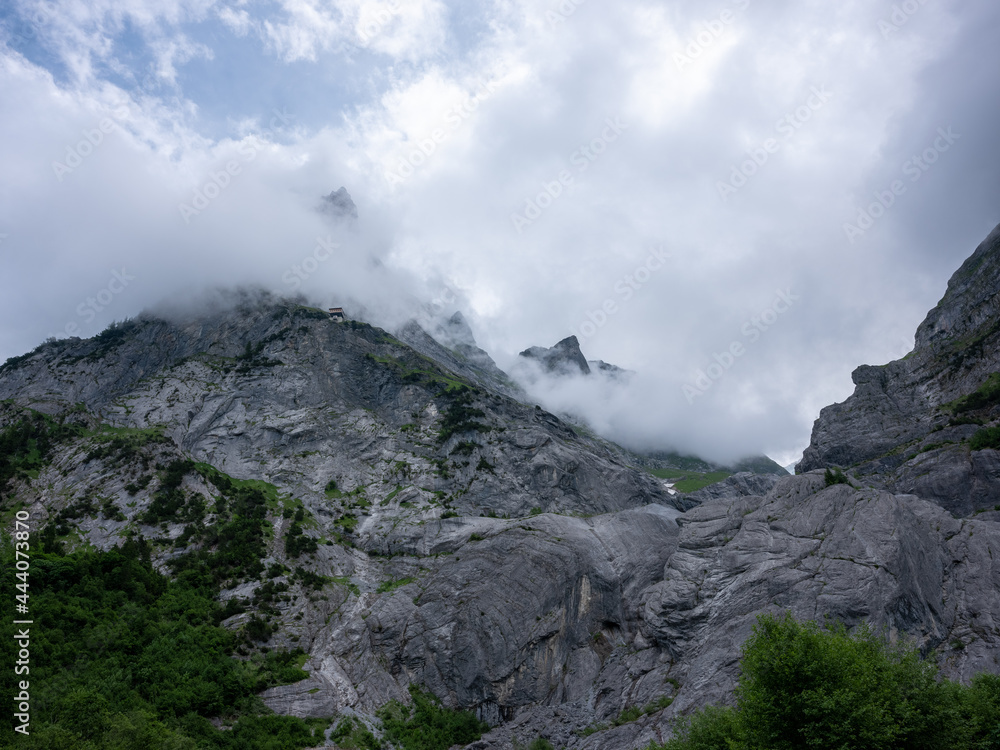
{"x": 356, "y": 516}
{"x": 339, "y": 205}
{"x": 565, "y": 358}
{"x": 921, "y": 425}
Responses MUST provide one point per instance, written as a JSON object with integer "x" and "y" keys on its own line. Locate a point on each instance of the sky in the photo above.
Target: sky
{"x": 741, "y": 200}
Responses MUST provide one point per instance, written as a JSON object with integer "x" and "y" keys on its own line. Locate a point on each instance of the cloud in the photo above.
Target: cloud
{"x": 737, "y": 140}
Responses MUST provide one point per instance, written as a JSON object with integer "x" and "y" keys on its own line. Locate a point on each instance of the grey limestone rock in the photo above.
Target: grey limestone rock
{"x": 900, "y": 429}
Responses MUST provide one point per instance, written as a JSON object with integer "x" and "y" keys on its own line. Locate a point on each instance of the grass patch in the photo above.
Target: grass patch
{"x": 987, "y": 395}
{"x": 223, "y": 481}
{"x": 690, "y": 481}
{"x": 392, "y": 585}
{"x": 347, "y": 583}
{"x": 628, "y": 715}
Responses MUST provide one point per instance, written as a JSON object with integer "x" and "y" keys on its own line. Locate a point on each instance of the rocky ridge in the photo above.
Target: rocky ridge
{"x": 910, "y": 424}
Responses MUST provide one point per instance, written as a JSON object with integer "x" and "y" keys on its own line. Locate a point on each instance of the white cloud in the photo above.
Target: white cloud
{"x": 519, "y": 99}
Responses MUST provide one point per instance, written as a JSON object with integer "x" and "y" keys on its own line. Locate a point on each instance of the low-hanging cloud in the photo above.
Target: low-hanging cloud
{"x": 443, "y": 130}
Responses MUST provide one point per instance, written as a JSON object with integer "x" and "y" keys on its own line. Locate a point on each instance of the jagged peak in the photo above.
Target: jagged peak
{"x": 339, "y": 205}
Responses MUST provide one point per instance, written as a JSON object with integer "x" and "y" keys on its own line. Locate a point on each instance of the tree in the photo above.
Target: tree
{"x": 806, "y": 685}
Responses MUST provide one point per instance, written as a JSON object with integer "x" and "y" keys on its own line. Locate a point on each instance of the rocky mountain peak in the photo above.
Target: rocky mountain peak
{"x": 565, "y": 358}
{"x": 455, "y": 331}
{"x": 339, "y": 205}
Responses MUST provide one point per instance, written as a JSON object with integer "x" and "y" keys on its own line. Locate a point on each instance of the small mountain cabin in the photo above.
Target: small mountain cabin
{"x": 337, "y": 314}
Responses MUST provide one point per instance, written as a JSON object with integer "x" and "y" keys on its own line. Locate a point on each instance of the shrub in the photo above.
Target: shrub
{"x": 803, "y": 685}
{"x": 986, "y": 438}
{"x": 988, "y": 394}
{"x": 427, "y": 725}
{"x": 836, "y": 476}
{"x": 130, "y": 659}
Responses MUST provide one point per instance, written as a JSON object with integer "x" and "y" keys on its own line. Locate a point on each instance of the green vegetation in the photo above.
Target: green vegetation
{"x": 130, "y": 659}
{"x": 232, "y": 547}
{"x": 296, "y": 542}
{"x": 412, "y": 367}
{"x": 803, "y": 685}
{"x": 427, "y": 725}
{"x": 351, "y": 734}
{"x": 986, "y": 438}
{"x": 121, "y": 444}
{"x": 313, "y": 313}
{"x": 630, "y": 714}
{"x": 835, "y": 476}
{"x": 331, "y": 490}
{"x": 169, "y": 499}
{"x": 227, "y": 483}
{"x": 393, "y": 584}
{"x": 13, "y": 363}
{"x": 347, "y": 522}
{"x": 26, "y": 445}
{"x": 111, "y": 338}
{"x": 346, "y": 582}
{"x": 988, "y": 394}
{"x": 460, "y": 417}
{"x": 690, "y": 481}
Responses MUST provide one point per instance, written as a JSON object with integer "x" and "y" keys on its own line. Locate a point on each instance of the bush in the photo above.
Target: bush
{"x": 836, "y": 476}
{"x": 803, "y": 685}
{"x": 130, "y": 659}
{"x": 986, "y": 438}
{"x": 988, "y": 394}
{"x": 427, "y": 725}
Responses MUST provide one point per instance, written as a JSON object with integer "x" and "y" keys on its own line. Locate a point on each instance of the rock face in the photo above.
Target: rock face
{"x": 453, "y": 345}
{"x": 909, "y": 424}
{"x": 565, "y": 358}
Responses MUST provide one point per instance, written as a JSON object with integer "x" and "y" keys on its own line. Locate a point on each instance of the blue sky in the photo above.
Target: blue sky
{"x": 752, "y": 151}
